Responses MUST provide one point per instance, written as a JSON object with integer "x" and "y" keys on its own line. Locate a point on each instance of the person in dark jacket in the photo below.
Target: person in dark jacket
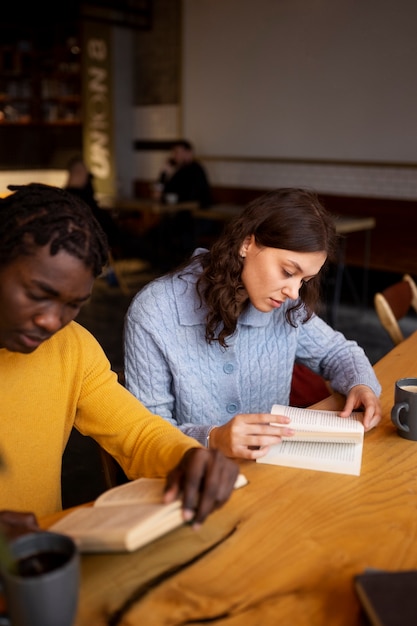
{"x": 183, "y": 179}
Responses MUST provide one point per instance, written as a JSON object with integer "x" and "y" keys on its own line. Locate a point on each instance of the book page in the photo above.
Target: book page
{"x": 141, "y": 490}
{"x": 340, "y": 458}
{"x": 322, "y": 441}
{"x": 314, "y": 425}
{"x": 97, "y": 529}
{"x": 126, "y": 517}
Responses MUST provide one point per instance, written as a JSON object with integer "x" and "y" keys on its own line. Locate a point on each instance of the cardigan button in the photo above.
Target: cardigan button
{"x": 228, "y": 368}
{"x": 231, "y": 408}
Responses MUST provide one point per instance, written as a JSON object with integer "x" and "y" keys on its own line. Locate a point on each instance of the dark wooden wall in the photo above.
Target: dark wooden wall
{"x": 393, "y": 241}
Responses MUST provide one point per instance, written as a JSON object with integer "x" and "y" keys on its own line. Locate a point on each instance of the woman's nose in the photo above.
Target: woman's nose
{"x": 292, "y": 289}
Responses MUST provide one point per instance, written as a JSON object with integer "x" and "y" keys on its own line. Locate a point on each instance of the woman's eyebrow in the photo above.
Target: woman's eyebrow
{"x": 295, "y": 264}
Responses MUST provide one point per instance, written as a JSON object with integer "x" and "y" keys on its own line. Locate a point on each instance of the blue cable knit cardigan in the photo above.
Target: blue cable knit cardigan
{"x": 171, "y": 368}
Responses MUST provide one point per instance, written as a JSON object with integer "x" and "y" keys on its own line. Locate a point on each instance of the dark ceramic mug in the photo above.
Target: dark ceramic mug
{"x": 42, "y": 587}
{"x": 404, "y": 411}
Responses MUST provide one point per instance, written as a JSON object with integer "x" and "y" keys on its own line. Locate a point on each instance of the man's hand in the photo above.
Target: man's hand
{"x": 13, "y": 524}
{"x": 204, "y": 479}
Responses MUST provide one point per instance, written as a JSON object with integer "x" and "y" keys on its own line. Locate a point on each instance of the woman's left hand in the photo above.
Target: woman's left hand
{"x": 363, "y": 396}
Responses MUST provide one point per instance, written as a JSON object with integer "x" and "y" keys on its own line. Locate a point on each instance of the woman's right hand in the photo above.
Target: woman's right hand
{"x": 249, "y": 435}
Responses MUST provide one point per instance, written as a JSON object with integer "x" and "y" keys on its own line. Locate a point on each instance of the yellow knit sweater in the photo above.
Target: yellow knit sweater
{"x": 67, "y": 382}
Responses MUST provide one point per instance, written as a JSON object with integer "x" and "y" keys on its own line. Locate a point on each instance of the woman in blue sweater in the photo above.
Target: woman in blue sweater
{"x": 212, "y": 346}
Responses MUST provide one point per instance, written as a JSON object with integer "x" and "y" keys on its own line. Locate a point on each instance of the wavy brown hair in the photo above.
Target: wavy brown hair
{"x": 289, "y": 219}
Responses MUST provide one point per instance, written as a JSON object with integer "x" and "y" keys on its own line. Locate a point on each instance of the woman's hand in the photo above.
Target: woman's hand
{"x": 363, "y": 396}
{"x": 249, "y": 435}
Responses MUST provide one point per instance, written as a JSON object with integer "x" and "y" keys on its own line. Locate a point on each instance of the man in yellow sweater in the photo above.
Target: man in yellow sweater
{"x": 54, "y": 375}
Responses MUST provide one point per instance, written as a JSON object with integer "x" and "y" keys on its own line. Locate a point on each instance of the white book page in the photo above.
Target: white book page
{"x": 326, "y": 457}
{"x": 313, "y": 425}
{"x": 322, "y": 441}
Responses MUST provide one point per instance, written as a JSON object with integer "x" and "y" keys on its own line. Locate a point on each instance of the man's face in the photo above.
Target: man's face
{"x": 39, "y": 295}
{"x": 181, "y": 155}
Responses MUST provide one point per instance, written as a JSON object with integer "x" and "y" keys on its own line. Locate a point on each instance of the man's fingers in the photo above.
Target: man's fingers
{"x": 206, "y": 479}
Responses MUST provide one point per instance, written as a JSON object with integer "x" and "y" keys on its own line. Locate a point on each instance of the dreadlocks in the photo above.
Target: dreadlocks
{"x": 37, "y": 215}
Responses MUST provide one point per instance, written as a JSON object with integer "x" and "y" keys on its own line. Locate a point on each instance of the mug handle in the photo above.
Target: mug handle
{"x": 395, "y": 417}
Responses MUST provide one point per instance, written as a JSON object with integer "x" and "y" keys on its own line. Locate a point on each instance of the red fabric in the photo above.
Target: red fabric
{"x": 307, "y": 387}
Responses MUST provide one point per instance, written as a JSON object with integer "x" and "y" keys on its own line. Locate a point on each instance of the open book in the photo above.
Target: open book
{"x": 125, "y": 518}
{"x": 322, "y": 441}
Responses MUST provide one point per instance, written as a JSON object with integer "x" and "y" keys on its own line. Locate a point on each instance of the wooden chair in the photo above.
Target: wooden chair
{"x": 112, "y": 472}
{"x": 131, "y": 274}
{"x": 393, "y": 303}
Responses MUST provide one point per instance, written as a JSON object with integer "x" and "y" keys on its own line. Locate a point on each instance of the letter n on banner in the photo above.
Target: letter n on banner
{"x": 98, "y": 124}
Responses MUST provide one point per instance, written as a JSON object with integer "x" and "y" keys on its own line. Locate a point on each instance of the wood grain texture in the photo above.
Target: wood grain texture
{"x": 300, "y": 538}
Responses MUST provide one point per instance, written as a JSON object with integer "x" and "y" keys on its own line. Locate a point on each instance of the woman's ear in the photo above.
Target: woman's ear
{"x": 245, "y": 245}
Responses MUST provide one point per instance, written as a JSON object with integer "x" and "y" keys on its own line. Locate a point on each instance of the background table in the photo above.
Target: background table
{"x": 283, "y": 551}
{"x": 129, "y": 205}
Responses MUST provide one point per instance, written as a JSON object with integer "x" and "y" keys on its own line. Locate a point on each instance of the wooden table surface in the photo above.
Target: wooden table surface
{"x": 283, "y": 551}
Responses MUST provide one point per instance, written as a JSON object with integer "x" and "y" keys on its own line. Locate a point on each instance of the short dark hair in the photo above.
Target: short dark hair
{"x": 36, "y": 215}
{"x": 183, "y": 143}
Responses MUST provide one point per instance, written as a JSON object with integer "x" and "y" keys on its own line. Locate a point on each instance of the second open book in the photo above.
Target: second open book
{"x": 322, "y": 441}
{"x": 125, "y": 518}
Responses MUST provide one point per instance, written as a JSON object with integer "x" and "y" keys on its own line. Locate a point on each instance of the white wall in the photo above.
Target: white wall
{"x": 305, "y": 92}
{"x": 317, "y": 93}
{"x": 302, "y": 78}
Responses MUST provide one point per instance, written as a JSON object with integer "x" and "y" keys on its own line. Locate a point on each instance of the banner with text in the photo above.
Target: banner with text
{"x": 98, "y": 122}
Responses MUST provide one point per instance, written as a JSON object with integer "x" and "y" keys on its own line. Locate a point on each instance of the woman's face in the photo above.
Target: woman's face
{"x": 272, "y": 275}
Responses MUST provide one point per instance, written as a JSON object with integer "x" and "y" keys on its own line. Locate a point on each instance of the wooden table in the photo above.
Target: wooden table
{"x": 289, "y": 543}
{"x": 346, "y": 226}
{"x": 138, "y": 205}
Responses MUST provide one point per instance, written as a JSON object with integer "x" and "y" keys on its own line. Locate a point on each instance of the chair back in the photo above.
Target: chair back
{"x": 112, "y": 472}
{"x": 393, "y": 303}
{"x": 131, "y": 274}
